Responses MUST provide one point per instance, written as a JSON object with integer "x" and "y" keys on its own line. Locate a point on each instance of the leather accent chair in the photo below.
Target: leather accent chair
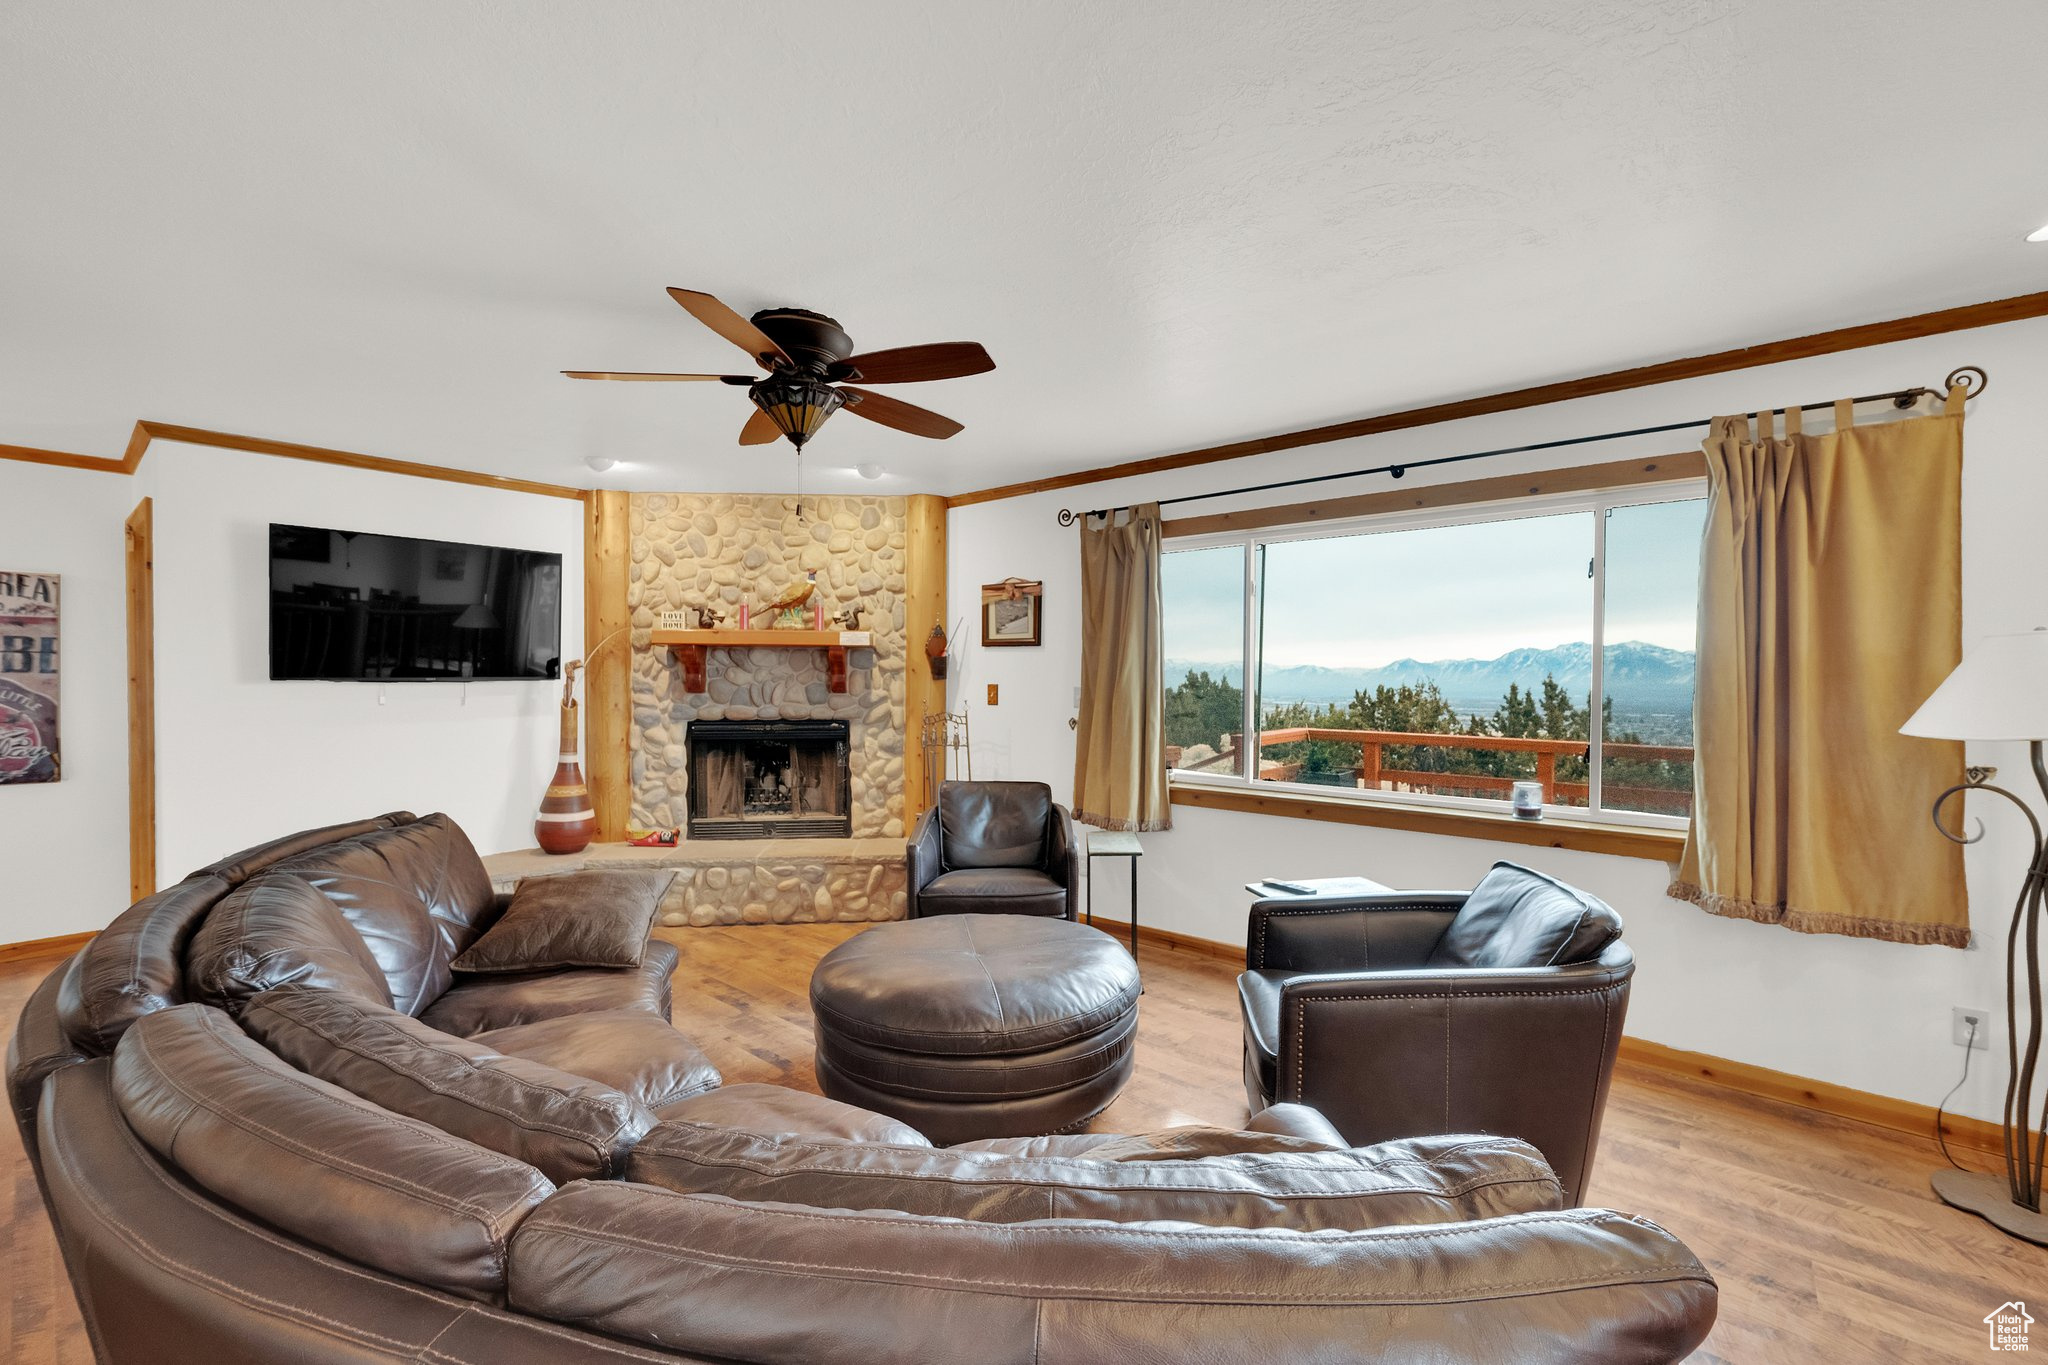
{"x": 1497, "y": 1010}
{"x": 994, "y": 848}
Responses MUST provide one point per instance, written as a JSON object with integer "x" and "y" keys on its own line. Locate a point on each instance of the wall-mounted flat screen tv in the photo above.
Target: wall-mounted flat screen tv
{"x": 356, "y": 606}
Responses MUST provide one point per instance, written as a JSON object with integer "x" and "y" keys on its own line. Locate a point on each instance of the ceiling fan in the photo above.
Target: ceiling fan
{"x": 810, "y": 360}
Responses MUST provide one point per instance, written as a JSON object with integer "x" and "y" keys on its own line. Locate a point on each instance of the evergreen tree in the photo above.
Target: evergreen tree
{"x": 1517, "y": 715}
{"x": 1418, "y": 709}
{"x": 1202, "y": 710}
{"x": 1562, "y": 720}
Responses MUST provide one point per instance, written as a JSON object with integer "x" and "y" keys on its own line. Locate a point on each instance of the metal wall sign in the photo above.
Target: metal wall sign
{"x": 28, "y": 678}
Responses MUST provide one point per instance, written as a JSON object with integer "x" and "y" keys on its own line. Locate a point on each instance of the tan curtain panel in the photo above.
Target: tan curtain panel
{"x": 1120, "y": 751}
{"x": 1830, "y": 606}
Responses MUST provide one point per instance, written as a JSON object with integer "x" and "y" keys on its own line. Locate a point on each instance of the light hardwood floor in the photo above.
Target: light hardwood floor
{"x": 1826, "y": 1242}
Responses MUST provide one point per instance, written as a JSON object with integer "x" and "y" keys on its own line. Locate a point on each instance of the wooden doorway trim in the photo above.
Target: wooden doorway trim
{"x": 140, "y": 555}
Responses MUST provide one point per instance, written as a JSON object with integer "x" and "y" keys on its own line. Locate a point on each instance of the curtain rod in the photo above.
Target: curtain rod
{"x": 1899, "y": 398}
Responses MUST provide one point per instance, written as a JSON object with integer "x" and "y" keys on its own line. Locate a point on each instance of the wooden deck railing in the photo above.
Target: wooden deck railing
{"x": 1372, "y": 774}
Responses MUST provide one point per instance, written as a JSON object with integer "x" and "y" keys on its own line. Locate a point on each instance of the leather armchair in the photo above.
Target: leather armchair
{"x": 1350, "y": 1005}
{"x": 992, "y": 848}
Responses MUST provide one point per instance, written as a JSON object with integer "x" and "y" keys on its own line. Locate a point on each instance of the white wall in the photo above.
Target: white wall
{"x": 240, "y": 758}
{"x": 1870, "y": 1015}
{"x": 64, "y": 844}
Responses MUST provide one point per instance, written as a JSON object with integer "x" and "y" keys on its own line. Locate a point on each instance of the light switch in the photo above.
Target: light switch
{"x": 991, "y": 694}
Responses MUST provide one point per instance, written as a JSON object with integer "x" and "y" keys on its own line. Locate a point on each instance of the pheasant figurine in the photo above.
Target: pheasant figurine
{"x": 791, "y": 602}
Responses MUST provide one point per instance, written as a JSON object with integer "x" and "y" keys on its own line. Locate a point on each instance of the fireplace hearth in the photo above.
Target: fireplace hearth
{"x": 769, "y": 779}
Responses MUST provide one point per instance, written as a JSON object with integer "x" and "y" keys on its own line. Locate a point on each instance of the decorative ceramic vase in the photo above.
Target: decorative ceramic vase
{"x": 567, "y": 822}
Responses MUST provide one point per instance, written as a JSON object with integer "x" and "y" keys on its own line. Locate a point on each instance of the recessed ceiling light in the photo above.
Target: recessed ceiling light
{"x": 2039, "y": 234}
{"x": 869, "y": 471}
{"x": 599, "y": 463}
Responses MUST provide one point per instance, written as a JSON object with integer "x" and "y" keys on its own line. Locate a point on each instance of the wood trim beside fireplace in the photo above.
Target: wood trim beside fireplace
{"x": 924, "y": 606}
{"x": 608, "y": 672}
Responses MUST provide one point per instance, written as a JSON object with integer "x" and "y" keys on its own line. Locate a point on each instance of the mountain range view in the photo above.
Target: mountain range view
{"x": 1640, "y": 677}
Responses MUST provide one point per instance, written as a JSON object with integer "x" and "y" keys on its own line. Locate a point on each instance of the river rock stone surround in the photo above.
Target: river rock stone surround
{"x": 733, "y": 881}
{"x": 717, "y": 550}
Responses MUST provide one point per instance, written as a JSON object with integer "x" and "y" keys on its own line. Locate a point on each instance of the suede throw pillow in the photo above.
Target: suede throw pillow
{"x": 586, "y": 919}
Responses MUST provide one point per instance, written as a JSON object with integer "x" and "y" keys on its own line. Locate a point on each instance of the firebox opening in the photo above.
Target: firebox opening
{"x": 769, "y": 779}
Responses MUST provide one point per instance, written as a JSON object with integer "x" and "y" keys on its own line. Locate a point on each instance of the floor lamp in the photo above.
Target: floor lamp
{"x": 2000, "y": 691}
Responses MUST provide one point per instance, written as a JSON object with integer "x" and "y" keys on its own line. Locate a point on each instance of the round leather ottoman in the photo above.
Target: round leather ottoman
{"x": 977, "y": 1026}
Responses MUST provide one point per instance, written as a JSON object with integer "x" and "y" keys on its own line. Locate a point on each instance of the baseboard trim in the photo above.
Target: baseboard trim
{"x": 1902, "y": 1116}
{"x": 64, "y": 945}
{"x": 1880, "y": 1111}
{"x": 1120, "y": 930}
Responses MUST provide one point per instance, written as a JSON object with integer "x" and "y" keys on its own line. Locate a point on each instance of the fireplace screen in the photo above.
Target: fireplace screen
{"x": 769, "y": 779}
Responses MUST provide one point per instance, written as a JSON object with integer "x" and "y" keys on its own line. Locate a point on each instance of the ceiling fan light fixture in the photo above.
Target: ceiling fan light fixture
{"x": 796, "y": 403}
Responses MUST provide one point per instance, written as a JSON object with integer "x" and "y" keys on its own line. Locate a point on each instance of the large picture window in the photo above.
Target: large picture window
{"x": 1443, "y": 658}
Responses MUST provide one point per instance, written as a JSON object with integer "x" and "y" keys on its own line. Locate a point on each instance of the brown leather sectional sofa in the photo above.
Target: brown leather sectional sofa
{"x": 271, "y": 1123}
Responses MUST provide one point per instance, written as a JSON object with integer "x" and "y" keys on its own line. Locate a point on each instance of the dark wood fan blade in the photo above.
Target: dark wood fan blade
{"x": 759, "y": 430}
{"x": 645, "y": 377}
{"x": 914, "y": 364}
{"x": 894, "y": 412}
{"x": 731, "y": 326}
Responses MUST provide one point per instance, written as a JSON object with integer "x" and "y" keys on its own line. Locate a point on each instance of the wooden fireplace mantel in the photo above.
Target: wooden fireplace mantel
{"x": 691, "y": 646}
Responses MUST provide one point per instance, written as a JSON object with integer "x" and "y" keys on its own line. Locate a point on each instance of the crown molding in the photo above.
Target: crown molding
{"x": 147, "y": 432}
{"x": 1964, "y": 318}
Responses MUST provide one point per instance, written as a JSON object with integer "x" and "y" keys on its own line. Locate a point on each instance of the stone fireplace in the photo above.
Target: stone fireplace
{"x": 772, "y": 831}
{"x": 768, "y": 779}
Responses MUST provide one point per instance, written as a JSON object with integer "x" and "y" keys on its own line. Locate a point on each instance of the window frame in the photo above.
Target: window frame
{"x": 1597, "y": 502}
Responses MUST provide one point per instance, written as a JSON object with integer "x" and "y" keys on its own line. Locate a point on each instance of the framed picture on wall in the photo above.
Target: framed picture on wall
{"x": 28, "y": 678}
{"x": 1011, "y": 611}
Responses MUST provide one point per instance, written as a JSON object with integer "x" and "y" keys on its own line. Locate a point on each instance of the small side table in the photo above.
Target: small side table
{"x": 1112, "y": 843}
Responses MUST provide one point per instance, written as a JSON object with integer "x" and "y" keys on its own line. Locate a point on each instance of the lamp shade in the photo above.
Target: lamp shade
{"x": 477, "y": 616}
{"x": 797, "y": 404}
{"x": 1998, "y": 691}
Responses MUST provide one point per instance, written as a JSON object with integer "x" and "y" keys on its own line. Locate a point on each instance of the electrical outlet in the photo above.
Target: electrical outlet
{"x": 991, "y": 694}
{"x": 1959, "y": 1027}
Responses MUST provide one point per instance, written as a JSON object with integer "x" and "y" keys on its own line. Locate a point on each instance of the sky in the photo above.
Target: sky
{"x": 1473, "y": 591}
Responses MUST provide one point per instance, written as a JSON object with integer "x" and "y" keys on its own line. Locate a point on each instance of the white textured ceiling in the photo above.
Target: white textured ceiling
{"x": 385, "y": 226}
